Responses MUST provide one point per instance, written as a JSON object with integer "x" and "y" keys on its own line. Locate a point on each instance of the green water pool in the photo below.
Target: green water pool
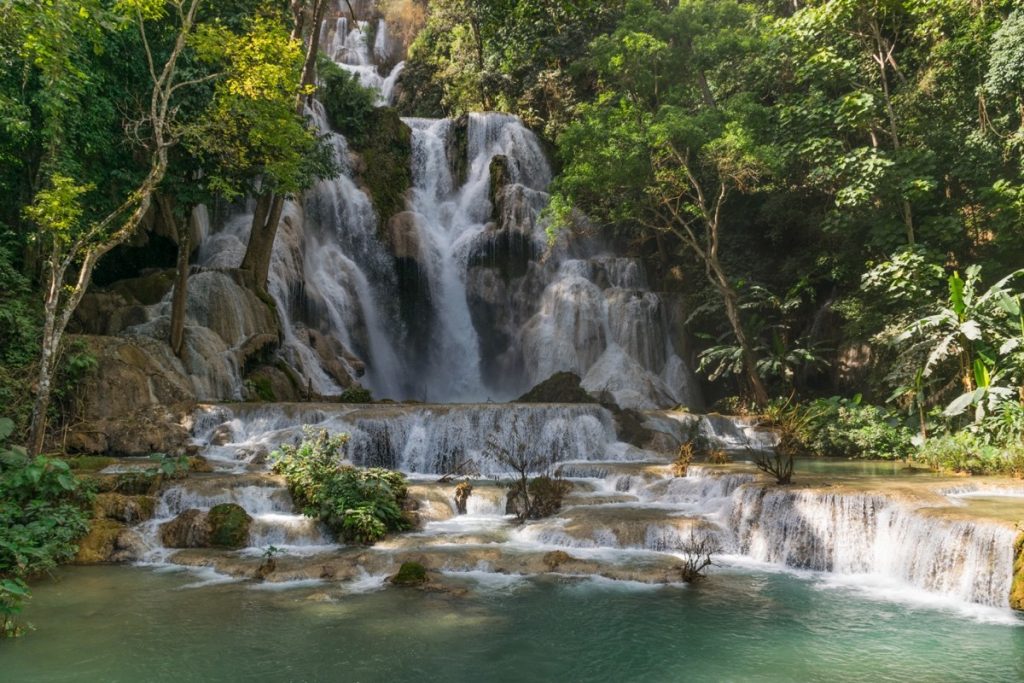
{"x": 125, "y": 624}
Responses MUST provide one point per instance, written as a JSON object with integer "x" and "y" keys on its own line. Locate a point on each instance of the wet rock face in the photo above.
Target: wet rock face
{"x": 190, "y": 529}
{"x": 136, "y": 400}
{"x": 1017, "y": 587}
{"x": 224, "y": 526}
{"x": 122, "y": 508}
{"x": 109, "y": 541}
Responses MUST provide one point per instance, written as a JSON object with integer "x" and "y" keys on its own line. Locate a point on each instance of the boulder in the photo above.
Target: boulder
{"x": 229, "y": 526}
{"x": 410, "y": 574}
{"x": 122, "y": 508}
{"x": 109, "y": 541}
{"x": 190, "y": 529}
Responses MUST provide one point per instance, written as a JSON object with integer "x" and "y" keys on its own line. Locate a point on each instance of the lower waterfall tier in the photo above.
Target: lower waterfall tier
{"x": 626, "y": 517}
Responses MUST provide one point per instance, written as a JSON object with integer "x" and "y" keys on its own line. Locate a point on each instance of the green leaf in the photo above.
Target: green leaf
{"x": 981, "y": 374}
{"x": 6, "y": 427}
{"x": 959, "y": 404}
{"x": 956, "y": 294}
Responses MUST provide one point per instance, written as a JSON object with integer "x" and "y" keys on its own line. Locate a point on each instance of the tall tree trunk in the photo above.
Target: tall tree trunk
{"x": 183, "y": 235}
{"x": 732, "y": 311}
{"x": 261, "y": 238}
{"x": 270, "y": 204}
{"x": 47, "y": 362}
{"x": 882, "y": 57}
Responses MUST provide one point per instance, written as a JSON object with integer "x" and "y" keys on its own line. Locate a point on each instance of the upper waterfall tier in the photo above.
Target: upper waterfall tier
{"x": 457, "y": 296}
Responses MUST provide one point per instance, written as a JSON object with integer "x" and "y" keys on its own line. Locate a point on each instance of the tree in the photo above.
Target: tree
{"x": 270, "y": 201}
{"x": 72, "y": 249}
{"x": 983, "y": 331}
{"x": 660, "y": 147}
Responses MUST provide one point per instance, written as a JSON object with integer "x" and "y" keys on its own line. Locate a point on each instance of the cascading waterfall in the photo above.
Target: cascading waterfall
{"x": 498, "y": 311}
{"x": 853, "y": 533}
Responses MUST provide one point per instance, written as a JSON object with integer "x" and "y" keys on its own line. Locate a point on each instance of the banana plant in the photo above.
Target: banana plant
{"x": 978, "y": 328}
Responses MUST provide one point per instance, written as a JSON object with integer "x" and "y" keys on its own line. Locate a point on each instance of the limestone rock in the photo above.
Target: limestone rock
{"x": 135, "y": 401}
{"x": 271, "y": 383}
{"x": 405, "y": 237}
{"x": 561, "y": 387}
{"x": 229, "y": 526}
{"x": 410, "y": 574}
{"x": 109, "y": 541}
{"x": 190, "y": 529}
{"x": 122, "y": 508}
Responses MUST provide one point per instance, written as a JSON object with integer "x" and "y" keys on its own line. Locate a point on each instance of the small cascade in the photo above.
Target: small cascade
{"x": 853, "y": 533}
{"x": 350, "y": 48}
{"x": 417, "y": 439}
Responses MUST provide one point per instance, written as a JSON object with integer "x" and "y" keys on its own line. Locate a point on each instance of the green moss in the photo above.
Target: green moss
{"x": 90, "y": 463}
{"x": 1017, "y": 587}
{"x": 356, "y": 394}
{"x": 263, "y": 389}
{"x": 387, "y": 163}
{"x": 97, "y": 546}
{"x": 499, "y": 178}
{"x": 229, "y": 526}
{"x": 130, "y": 509}
{"x": 561, "y": 387}
{"x": 410, "y": 574}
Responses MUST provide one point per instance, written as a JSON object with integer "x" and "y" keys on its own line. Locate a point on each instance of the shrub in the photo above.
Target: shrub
{"x": 846, "y": 428}
{"x": 967, "y": 453}
{"x": 44, "y": 510}
{"x": 683, "y": 459}
{"x": 358, "y": 505}
{"x": 356, "y": 394}
{"x": 544, "y": 499}
{"x": 348, "y": 104}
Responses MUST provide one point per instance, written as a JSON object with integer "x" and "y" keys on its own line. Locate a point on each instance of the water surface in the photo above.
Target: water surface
{"x": 135, "y": 624}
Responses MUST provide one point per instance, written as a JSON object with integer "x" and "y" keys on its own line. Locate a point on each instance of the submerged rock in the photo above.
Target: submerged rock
{"x": 410, "y": 574}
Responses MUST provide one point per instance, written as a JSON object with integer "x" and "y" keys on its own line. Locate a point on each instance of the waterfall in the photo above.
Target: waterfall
{"x": 463, "y": 300}
{"x": 852, "y": 533}
{"x": 421, "y": 439}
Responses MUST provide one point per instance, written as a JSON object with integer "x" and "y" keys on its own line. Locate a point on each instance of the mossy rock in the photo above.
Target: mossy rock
{"x": 229, "y": 526}
{"x": 410, "y": 574}
{"x": 99, "y": 545}
{"x": 90, "y": 463}
{"x": 1017, "y": 587}
{"x": 561, "y": 387}
{"x": 356, "y": 394}
{"x": 128, "y": 509}
{"x": 197, "y": 463}
{"x": 387, "y": 164}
